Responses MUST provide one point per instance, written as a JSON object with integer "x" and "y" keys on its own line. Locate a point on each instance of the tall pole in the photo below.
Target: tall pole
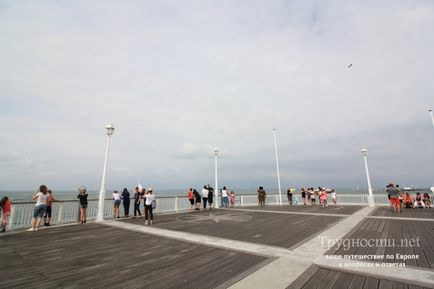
{"x": 371, "y": 201}
{"x": 216, "y": 188}
{"x": 432, "y": 117}
{"x": 100, "y": 215}
{"x": 277, "y": 166}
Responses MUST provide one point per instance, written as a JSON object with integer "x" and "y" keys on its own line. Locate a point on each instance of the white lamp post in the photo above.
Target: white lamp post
{"x": 277, "y": 166}
{"x": 432, "y": 117}
{"x": 216, "y": 188}
{"x": 100, "y": 216}
{"x": 371, "y": 201}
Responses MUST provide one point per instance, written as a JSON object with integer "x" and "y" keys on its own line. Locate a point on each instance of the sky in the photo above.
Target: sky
{"x": 178, "y": 78}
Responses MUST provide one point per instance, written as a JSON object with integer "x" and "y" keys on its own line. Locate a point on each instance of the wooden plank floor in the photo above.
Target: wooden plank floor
{"x": 97, "y": 256}
{"x": 283, "y": 230}
{"x": 319, "y": 278}
{"x": 346, "y": 210}
{"x": 399, "y": 232}
{"x": 386, "y": 211}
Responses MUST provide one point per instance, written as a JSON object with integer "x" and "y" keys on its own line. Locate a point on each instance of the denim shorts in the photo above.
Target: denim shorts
{"x": 117, "y": 203}
{"x": 39, "y": 211}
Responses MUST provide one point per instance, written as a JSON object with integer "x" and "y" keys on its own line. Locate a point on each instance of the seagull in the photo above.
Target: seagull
{"x": 350, "y": 65}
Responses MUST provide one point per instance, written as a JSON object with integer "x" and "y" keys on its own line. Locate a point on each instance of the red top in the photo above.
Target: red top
{"x": 7, "y": 207}
{"x": 190, "y": 194}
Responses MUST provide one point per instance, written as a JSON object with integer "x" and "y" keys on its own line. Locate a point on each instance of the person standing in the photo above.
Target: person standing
{"x": 333, "y": 196}
{"x": 47, "y": 215}
{"x": 303, "y": 196}
{"x": 137, "y": 203}
{"x": 289, "y": 195}
{"x": 126, "y": 202}
{"x": 190, "y": 196}
{"x": 143, "y": 196}
{"x": 393, "y": 192}
{"x": 5, "y": 204}
{"x": 149, "y": 200}
{"x": 232, "y": 199}
{"x": 210, "y": 196}
{"x": 225, "y": 198}
{"x": 261, "y": 196}
{"x": 204, "y": 194}
{"x": 82, "y": 196}
{"x": 198, "y": 199}
{"x": 41, "y": 205}
{"x": 117, "y": 203}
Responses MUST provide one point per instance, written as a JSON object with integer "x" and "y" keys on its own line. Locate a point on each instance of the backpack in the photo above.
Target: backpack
{"x": 154, "y": 204}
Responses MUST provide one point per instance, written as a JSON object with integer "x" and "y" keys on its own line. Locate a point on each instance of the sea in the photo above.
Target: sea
{"x": 63, "y": 195}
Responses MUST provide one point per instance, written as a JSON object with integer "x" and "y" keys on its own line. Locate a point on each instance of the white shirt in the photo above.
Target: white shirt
{"x": 42, "y": 199}
{"x": 116, "y": 196}
{"x": 224, "y": 193}
{"x": 149, "y": 198}
{"x": 205, "y": 193}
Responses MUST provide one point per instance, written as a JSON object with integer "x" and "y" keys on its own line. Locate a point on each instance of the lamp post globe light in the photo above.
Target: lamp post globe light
{"x": 432, "y": 117}
{"x": 216, "y": 188}
{"x": 100, "y": 216}
{"x": 371, "y": 201}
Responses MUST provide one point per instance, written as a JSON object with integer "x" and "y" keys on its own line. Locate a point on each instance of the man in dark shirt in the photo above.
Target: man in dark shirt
{"x": 137, "y": 202}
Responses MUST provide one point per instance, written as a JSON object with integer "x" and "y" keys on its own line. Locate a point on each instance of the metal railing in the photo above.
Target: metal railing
{"x": 68, "y": 211}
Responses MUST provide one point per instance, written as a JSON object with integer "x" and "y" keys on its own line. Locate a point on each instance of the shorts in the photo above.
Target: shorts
{"x": 191, "y": 201}
{"x": 117, "y": 203}
{"x": 39, "y": 211}
{"x": 83, "y": 206}
{"x": 395, "y": 201}
{"x": 48, "y": 212}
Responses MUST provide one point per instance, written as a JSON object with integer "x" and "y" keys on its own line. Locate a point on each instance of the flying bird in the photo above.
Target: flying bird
{"x": 350, "y": 65}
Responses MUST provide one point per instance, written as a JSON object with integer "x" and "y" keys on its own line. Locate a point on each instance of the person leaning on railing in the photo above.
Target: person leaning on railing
{"x": 41, "y": 205}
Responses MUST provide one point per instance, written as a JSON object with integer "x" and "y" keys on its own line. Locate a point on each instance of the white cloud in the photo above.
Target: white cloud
{"x": 178, "y": 79}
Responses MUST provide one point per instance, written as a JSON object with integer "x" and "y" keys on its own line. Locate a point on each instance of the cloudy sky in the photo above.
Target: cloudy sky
{"x": 178, "y": 78}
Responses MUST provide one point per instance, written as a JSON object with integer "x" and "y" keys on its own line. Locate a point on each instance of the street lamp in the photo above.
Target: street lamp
{"x": 100, "y": 216}
{"x": 371, "y": 201}
{"x": 277, "y": 166}
{"x": 432, "y": 117}
{"x": 216, "y": 190}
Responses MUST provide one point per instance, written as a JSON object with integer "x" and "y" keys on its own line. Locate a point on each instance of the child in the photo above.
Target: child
{"x": 232, "y": 199}
{"x": 323, "y": 198}
{"x": 333, "y": 195}
{"x": 6, "y": 211}
{"x": 427, "y": 200}
{"x": 418, "y": 201}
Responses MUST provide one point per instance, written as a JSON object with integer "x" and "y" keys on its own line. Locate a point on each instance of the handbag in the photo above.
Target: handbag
{"x": 154, "y": 204}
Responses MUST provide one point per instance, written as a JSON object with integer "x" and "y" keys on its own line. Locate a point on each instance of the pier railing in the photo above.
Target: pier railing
{"x": 65, "y": 212}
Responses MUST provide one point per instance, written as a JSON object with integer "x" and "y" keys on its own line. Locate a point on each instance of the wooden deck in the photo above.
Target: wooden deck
{"x": 331, "y": 209}
{"x": 281, "y": 230}
{"x": 405, "y": 213}
{"x": 96, "y": 256}
{"x": 319, "y": 278}
{"x": 399, "y": 232}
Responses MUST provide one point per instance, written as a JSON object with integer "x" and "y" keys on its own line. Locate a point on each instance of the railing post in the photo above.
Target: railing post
{"x": 242, "y": 201}
{"x": 176, "y": 204}
{"x": 59, "y": 217}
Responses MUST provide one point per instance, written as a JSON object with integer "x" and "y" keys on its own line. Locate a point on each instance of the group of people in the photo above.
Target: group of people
{"x": 206, "y": 198}
{"x": 400, "y": 199}
{"x": 44, "y": 200}
{"x": 148, "y": 197}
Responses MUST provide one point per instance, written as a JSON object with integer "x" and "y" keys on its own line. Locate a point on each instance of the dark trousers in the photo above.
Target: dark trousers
{"x": 148, "y": 209}
{"x": 205, "y": 200}
{"x": 290, "y": 199}
{"x": 127, "y": 208}
{"x": 137, "y": 209}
